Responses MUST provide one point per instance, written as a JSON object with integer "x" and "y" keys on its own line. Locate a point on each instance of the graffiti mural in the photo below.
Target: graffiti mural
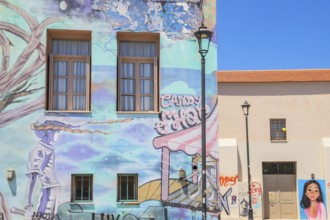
{"x": 256, "y": 195}
{"x": 17, "y": 81}
{"x": 312, "y": 199}
{"x": 179, "y": 127}
{"x": 44, "y": 149}
{"x": 256, "y": 198}
{"x": 175, "y": 18}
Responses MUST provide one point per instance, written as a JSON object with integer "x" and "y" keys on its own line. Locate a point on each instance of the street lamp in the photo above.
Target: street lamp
{"x": 204, "y": 37}
{"x": 245, "y": 108}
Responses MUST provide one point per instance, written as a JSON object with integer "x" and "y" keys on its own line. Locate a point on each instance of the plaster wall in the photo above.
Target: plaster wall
{"x": 305, "y": 106}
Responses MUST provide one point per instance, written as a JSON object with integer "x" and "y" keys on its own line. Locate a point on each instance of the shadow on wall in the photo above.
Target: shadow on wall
{"x": 273, "y": 89}
{"x": 12, "y": 183}
{"x": 239, "y": 168}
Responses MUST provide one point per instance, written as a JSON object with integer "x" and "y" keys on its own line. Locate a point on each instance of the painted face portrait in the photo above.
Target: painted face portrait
{"x": 312, "y": 202}
{"x": 312, "y": 192}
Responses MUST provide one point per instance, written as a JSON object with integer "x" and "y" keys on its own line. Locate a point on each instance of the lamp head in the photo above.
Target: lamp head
{"x": 204, "y": 37}
{"x": 245, "y": 108}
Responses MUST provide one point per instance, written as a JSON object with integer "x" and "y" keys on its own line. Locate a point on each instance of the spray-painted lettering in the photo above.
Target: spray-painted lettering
{"x": 168, "y": 101}
{"x": 228, "y": 180}
{"x": 174, "y": 120}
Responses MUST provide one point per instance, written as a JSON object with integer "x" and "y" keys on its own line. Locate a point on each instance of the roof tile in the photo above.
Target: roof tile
{"x": 274, "y": 76}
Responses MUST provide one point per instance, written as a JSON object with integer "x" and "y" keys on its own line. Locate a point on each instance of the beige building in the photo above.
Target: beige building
{"x": 289, "y": 140}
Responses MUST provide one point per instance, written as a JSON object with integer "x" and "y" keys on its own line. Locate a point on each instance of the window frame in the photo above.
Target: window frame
{"x": 53, "y": 34}
{"x": 141, "y": 37}
{"x": 73, "y": 188}
{"x": 279, "y": 123}
{"x": 135, "y": 190}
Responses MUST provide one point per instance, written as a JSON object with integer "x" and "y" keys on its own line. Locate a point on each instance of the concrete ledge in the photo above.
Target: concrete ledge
{"x": 227, "y": 142}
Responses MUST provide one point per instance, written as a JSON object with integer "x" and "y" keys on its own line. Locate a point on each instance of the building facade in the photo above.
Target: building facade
{"x": 100, "y": 107}
{"x": 288, "y": 138}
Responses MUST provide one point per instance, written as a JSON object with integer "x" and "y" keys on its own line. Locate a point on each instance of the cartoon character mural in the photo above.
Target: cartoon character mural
{"x": 244, "y": 207}
{"x": 312, "y": 202}
{"x": 256, "y": 193}
{"x": 185, "y": 122}
{"x": 42, "y": 164}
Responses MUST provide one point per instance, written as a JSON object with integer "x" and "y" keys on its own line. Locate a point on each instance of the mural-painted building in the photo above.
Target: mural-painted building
{"x": 100, "y": 109}
{"x": 288, "y": 133}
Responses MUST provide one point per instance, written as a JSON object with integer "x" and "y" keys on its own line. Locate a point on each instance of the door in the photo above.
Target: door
{"x": 280, "y": 194}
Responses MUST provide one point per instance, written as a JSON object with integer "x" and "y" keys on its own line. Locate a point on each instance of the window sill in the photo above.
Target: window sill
{"x": 128, "y": 204}
{"x": 278, "y": 141}
{"x": 68, "y": 112}
{"x": 137, "y": 112}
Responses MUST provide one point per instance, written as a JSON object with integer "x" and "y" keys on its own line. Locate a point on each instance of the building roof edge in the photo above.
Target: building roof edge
{"x": 273, "y": 76}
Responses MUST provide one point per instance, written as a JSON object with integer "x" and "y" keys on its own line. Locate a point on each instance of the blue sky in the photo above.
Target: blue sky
{"x": 273, "y": 34}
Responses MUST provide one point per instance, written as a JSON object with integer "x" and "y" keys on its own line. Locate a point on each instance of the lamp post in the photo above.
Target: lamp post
{"x": 204, "y": 38}
{"x": 245, "y": 108}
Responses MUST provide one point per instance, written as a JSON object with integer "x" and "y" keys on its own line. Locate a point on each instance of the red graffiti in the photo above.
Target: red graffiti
{"x": 255, "y": 189}
{"x": 228, "y": 180}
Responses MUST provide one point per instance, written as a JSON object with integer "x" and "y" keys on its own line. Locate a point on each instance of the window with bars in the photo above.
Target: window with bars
{"x": 278, "y": 129}
{"x": 279, "y": 168}
{"x": 82, "y": 187}
{"x": 138, "y": 58}
{"x": 69, "y": 63}
{"x": 127, "y": 187}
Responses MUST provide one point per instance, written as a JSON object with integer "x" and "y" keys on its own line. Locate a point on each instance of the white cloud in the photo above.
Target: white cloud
{"x": 178, "y": 87}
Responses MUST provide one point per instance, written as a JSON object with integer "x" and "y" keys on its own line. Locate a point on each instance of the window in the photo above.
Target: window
{"x": 138, "y": 58}
{"x": 279, "y": 168}
{"x": 69, "y": 63}
{"x": 127, "y": 187}
{"x": 277, "y": 130}
{"x": 81, "y": 187}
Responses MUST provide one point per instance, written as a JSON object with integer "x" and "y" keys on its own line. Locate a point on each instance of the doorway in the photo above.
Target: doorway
{"x": 280, "y": 191}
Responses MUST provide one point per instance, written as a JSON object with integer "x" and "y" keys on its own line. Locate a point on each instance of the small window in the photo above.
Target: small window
{"x": 138, "y": 59}
{"x": 270, "y": 168}
{"x": 127, "y": 187}
{"x": 82, "y": 188}
{"x": 69, "y": 63}
{"x": 277, "y": 130}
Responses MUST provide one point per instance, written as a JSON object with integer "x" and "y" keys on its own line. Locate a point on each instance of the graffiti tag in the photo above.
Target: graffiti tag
{"x": 224, "y": 201}
{"x": 228, "y": 180}
{"x": 174, "y": 120}
{"x": 167, "y": 101}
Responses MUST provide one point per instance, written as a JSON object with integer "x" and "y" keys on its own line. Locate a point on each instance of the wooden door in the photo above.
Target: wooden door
{"x": 280, "y": 196}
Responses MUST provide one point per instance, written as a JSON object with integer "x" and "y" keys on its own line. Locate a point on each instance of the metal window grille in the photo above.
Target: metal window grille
{"x": 279, "y": 168}
{"x": 278, "y": 129}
